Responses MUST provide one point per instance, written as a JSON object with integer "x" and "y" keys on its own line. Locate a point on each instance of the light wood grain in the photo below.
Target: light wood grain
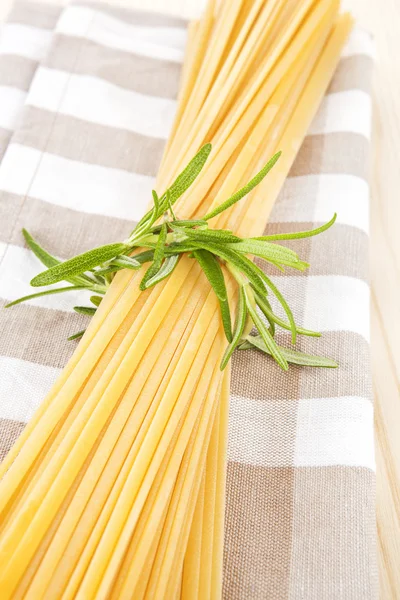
{"x": 382, "y": 19}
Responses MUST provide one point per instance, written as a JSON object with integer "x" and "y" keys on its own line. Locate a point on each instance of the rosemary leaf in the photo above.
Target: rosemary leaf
{"x": 156, "y": 201}
{"x": 165, "y": 270}
{"x": 45, "y": 293}
{"x": 189, "y": 174}
{"x": 226, "y": 318}
{"x": 244, "y": 190}
{"x": 271, "y": 316}
{"x": 159, "y": 253}
{"x": 300, "y": 265}
{"x": 180, "y": 248}
{"x": 215, "y": 276}
{"x": 266, "y": 309}
{"x": 293, "y": 356}
{"x": 85, "y": 310}
{"x": 127, "y": 262}
{"x": 45, "y": 258}
{"x": 96, "y": 300}
{"x": 265, "y": 334}
{"x": 240, "y": 322}
{"x": 245, "y": 344}
{"x": 48, "y": 260}
{"x": 299, "y": 234}
{"x": 191, "y": 223}
{"x": 267, "y": 251}
{"x": 78, "y": 265}
{"x": 281, "y": 300}
{"x": 242, "y": 263}
{"x": 213, "y": 272}
{"x": 169, "y": 204}
{"x": 181, "y": 223}
{"x": 150, "y": 217}
{"x": 76, "y": 335}
{"x": 109, "y": 270}
{"x": 212, "y": 235}
{"x": 144, "y": 257}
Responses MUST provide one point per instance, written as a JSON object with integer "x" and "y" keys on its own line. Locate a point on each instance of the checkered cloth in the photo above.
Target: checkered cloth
{"x": 87, "y": 99}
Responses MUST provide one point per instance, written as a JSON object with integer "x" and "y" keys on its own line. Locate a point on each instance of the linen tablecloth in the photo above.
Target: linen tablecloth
{"x": 88, "y": 95}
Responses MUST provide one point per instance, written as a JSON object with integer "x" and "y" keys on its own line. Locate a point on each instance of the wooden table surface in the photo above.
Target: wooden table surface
{"x": 383, "y": 20}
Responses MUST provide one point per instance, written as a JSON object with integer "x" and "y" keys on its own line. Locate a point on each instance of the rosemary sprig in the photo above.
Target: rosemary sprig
{"x": 160, "y": 238}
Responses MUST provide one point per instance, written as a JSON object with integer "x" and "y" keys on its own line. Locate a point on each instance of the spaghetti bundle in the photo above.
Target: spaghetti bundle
{"x": 116, "y": 487}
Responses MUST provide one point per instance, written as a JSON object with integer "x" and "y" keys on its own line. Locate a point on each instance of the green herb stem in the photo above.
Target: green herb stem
{"x": 161, "y": 238}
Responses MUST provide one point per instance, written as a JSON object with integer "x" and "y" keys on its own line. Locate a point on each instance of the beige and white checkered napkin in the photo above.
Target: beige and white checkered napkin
{"x": 89, "y": 132}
